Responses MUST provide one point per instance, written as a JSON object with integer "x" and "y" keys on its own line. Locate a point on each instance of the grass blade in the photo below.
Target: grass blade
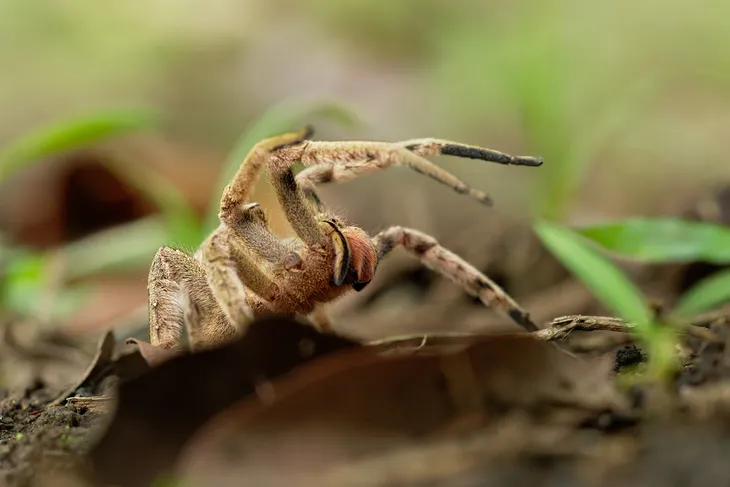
{"x": 22, "y": 279}
{"x": 663, "y": 240}
{"x": 709, "y": 293}
{"x": 601, "y": 276}
{"x": 71, "y": 134}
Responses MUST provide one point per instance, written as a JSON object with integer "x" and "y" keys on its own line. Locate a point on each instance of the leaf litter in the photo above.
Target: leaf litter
{"x": 287, "y": 405}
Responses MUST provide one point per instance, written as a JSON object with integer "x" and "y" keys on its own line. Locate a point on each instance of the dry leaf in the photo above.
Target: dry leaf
{"x": 158, "y": 411}
{"x": 153, "y": 355}
{"x": 99, "y": 364}
{"x": 354, "y": 404}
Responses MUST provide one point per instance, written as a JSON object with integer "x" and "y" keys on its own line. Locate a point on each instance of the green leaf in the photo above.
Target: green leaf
{"x": 71, "y": 134}
{"x": 277, "y": 119}
{"x": 709, "y": 293}
{"x": 663, "y": 240}
{"x": 600, "y": 275}
{"x": 22, "y": 281}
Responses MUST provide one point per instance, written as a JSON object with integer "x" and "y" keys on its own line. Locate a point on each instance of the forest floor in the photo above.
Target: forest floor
{"x": 331, "y": 412}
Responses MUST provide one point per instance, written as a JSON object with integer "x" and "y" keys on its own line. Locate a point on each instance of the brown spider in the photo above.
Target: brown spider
{"x": 242, "y": 270}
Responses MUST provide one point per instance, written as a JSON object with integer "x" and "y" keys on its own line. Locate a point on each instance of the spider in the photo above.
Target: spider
{"x": 242, "y": 270}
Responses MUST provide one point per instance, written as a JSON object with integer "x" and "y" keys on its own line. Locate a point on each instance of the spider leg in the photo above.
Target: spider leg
{"x": 304, "y": 212}
{"x": 249, "y": 222}
{"x": 301, "y": 209}
{"x": 322, "y": 173}
{"x": 178, "y": 295}
{"x": 252, "y": 228}
{"x": 297, "y": 208}
{"x": 232, "y": 274}
{"x": 450, "y": 265}
{"x": 428, "y": 147}
{"x": 344, "y": 161}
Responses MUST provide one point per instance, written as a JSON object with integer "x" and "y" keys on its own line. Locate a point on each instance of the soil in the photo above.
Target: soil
{"x": 33, "y": 434}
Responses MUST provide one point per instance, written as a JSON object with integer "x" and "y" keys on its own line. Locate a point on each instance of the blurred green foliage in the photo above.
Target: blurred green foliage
{"x": 707, "y": 294}
{"x": 671, "y": 240}
{"x": 25, "y": 274}
{"x": 620, "y": 83}
{"x": 659, "y": 240}
{"x": 545, "y": 76}
{"x": 407, "y": 31}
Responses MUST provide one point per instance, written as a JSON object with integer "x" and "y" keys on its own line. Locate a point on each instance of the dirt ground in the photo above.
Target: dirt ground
{"x": 32, "y": 434}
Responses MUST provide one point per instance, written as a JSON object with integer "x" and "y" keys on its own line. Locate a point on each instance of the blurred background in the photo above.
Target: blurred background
{"x": 627, "y": 101}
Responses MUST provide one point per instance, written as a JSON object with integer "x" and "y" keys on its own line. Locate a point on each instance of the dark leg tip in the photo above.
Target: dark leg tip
{"x": 470, "y": 152}
{"x": 308, "y": 131}
{"x": 527, "y": 161}
{"x": 486, "y": 200}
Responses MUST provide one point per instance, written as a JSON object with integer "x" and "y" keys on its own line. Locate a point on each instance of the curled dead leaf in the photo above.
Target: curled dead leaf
{"x": 353, "y": 404}
{"x": 99, "y": 365}
{"x": 159, "y": 410}
{"x": 153, "y": 355}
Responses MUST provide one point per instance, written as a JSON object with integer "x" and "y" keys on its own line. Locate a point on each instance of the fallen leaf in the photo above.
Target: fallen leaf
{"x": 158, "y": 411}
{"x": 353, "y": 404}
{"x": 153, "y": 355}
{"x": 101, "y": 362}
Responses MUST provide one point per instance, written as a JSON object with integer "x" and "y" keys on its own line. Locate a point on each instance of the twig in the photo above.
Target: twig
{"x": 95, "y": 404}
{"x": 561, "y": 327}
{"x": 557, "y": 329}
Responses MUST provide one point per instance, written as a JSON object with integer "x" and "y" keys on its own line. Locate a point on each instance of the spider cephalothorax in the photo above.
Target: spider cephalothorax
{"x": 243, "y": 270}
